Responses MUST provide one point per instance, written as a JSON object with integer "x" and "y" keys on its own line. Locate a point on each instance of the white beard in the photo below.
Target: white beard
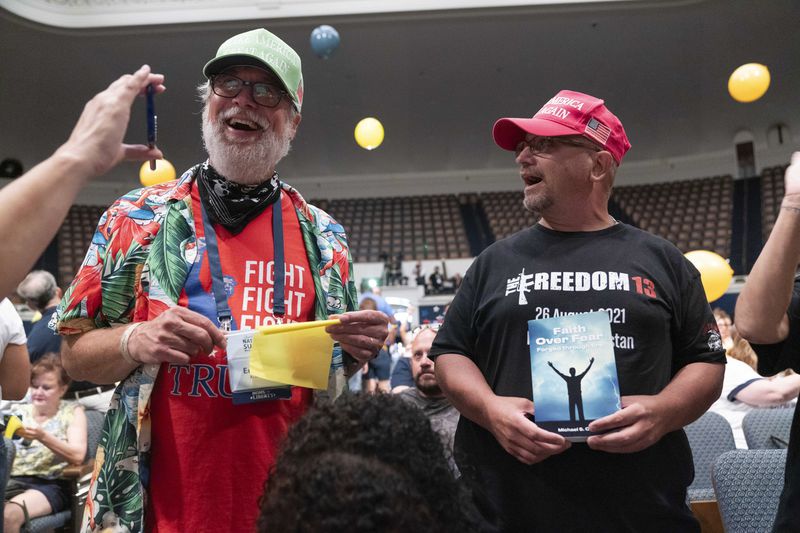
{"x": 244, "y": 162}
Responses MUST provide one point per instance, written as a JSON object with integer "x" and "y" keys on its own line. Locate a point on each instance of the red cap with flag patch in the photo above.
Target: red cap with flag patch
{"x": 567, "y": 113}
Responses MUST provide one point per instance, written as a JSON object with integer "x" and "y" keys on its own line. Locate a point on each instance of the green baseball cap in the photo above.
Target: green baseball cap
{"x": 262, "y": 49}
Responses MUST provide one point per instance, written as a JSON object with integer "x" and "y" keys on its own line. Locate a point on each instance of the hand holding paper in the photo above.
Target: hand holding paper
{"x": 361, "y": 333}
{"x": 295, "y": 354}
{"x": 14, "y": 424}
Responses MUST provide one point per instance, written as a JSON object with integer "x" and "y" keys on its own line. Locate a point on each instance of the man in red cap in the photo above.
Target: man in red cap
{"x": 632, "y": 473}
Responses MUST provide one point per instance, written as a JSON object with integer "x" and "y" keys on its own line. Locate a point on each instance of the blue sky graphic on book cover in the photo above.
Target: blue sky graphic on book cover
{"x": 573, "y": 371}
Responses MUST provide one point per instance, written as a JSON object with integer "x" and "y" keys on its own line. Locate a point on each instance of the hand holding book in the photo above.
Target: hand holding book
{"x": 568, "y": 396}
{"x": 517, "y": 434}
{"x": 638, "y": 425}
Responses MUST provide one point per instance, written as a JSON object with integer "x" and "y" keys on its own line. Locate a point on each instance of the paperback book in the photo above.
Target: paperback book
{"x": 573, "y": 371}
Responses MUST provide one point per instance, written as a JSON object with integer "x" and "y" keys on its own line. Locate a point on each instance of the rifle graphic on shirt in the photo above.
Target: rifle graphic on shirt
{"x": 520, "y": 284}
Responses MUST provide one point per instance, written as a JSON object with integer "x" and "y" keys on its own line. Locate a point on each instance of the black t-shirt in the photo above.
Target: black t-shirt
{"x": 773, "y": 358}
{"x": 660, "y": 322}
{"x": 42, "y": 339}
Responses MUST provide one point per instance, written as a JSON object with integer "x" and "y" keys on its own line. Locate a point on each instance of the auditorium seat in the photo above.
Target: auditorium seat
{"x": 505, "y": 212}
{"x": 418, "y": 227}
{"x": 74, "y": 238}
{"x": 692, "y": 214}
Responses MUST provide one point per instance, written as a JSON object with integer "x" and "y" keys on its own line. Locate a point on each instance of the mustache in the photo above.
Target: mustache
{"x": 239, "y": 112}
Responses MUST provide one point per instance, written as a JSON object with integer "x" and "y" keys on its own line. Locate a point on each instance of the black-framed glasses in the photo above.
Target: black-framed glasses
{"x": 544, "y": 145}
{"x": 264, "y": 94}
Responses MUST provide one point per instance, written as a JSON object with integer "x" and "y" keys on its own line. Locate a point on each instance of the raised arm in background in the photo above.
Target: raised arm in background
{"x": 761, "y": 307}
{"x": 94, "y": 147}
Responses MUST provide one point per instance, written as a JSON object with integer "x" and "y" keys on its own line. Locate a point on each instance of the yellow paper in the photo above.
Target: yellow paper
{"x": 295, "y": 354}
{"x": 14, "y": 423}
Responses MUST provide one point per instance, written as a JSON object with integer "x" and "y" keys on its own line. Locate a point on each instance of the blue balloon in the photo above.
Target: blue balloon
{"x": 324, "y": 40}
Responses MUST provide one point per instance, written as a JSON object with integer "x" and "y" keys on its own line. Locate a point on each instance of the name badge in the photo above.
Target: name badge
{"x": 245, "y": 387}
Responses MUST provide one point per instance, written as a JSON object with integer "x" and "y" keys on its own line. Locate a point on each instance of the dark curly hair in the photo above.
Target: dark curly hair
{"x": 342, "y": 491}
{"x": 404, "y": 478}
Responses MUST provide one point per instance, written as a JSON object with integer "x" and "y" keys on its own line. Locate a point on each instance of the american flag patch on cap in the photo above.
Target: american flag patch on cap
{"x": 597, "y": 131}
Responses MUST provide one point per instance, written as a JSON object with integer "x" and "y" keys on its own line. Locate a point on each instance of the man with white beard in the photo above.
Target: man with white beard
{"x": 228, "y": 246}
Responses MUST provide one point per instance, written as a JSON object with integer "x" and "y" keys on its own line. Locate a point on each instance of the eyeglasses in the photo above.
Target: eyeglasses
{"x": 264, "y": 94}
{"x": 544, "y": 145}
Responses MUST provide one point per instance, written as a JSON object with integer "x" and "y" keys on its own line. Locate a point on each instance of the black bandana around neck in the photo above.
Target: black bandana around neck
{"x": 231, "y": 204}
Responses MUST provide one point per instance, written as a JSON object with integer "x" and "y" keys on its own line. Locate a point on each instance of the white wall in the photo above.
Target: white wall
{"x": 375, "y": 270}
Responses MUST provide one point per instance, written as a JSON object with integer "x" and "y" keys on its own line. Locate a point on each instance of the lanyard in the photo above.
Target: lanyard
{"x": 215, "y": 265}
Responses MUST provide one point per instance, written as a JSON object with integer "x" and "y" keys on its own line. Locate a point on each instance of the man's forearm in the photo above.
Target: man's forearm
{"x": 690, "y": 393}
{"x": 51, "y": 186}
{"x": 95, "y": 356}
{"x": 465, "y": 387}
{"x": 761, "y": 306}
{"x": 15, "y": 368}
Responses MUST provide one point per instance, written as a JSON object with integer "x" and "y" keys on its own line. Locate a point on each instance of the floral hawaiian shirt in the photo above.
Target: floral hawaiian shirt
{"x": 139, "y": 259}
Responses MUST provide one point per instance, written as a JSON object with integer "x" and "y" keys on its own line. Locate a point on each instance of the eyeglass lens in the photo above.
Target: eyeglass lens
{"x": 537, "y": 145}
{"x": 541, "y": 145}
{"x": 229, "y": 86}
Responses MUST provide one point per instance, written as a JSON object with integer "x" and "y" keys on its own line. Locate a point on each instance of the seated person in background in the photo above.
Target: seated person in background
{"x": 743, "y": 388}
{"x": 335, "y": 464}
{"x": 41, "y": 293}
{"x": 402, "y": 376}
{"x": 383, "y": 306}
{"x": 427, "y": 395}
{"x": 732, "y": 341}
{"x": 53, "y": 436}
{"x": 436, "y": 281}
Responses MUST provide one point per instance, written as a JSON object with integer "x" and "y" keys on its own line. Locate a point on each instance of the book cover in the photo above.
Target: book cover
{"x": 573, "y": 371}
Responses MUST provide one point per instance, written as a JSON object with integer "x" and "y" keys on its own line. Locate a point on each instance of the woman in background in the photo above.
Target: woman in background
{"x": 54, "y": 435}
{"x": 743, "y": 388}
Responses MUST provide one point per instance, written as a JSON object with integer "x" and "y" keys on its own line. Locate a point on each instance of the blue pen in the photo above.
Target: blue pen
{"x": 152, "y": 123}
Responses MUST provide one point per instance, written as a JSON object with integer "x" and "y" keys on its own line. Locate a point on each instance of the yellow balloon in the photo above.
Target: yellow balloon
{"x": 164, "y": 172}
{"x": 369, "y": 133}
{"x": 749, "y": 82}
{"x": 715, "y": 272}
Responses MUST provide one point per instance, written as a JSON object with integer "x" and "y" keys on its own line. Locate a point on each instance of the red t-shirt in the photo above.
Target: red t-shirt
{"x": 210, "y": 458}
